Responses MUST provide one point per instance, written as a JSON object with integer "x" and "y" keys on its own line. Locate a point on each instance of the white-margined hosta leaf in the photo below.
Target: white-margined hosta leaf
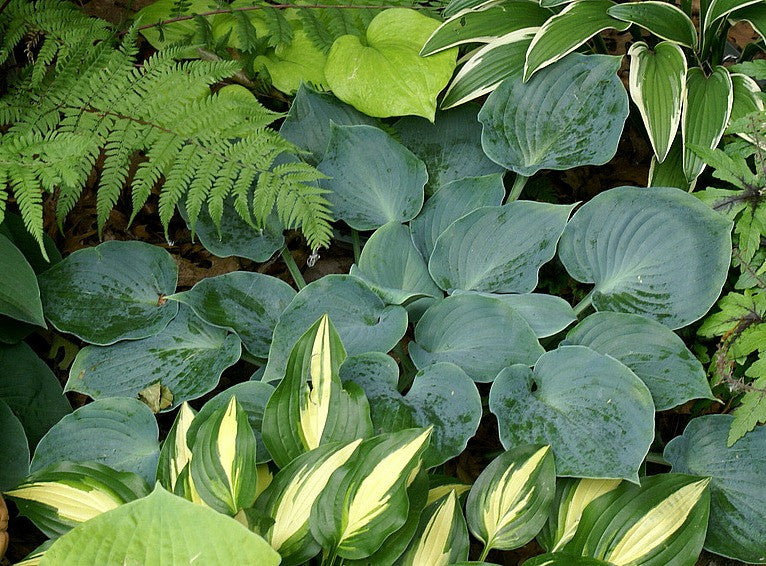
{"x": 365, "y": 500}
{"x": 64, "y": 495}
{"x": 442, "y": 535}
{"x": 717, "y": 9}
{"x": 558, "y": 559}
{"x": 572, "y": 496}
{"x": 663, "y": 521}
{"x": 311, "y": 406}
{"x": 661, "y": 18}
{"x": 509, "y": 502}
{"x": 175, "y": 453}
{"x": 222, "y": 466}
{"x": 747, "y": 99}
{"x": 289, "y": 498}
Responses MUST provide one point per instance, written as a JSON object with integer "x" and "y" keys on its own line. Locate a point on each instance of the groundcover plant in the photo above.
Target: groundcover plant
{"x": 467, "y": 375}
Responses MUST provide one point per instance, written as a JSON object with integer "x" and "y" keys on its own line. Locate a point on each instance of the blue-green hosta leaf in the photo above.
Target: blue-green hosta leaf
{"x": 484, "y": 23}
{"x": 164, "y": 529}
{"x": 569, "y": 115}
{"x": 737, "y": 526}
{"x": 486, "y": 68}
{"x": 441, "y": 395}
{"x": 14, "y": 450}
{"x": 707, "y": 108}
{"x": 307, "y": 124}
{"x": 595, "y": 413}
{"x": 657, "y": 85}
{"x": 13, "y": 228}
{"x": 175, "y": 453}
{"x": 508, "y": 504}
{"x": 567, "y": 30}
{"x": 454, "y": 200}
{"x": 66, "y": 494}
{"x": 525, "y": 234}
{"x": 392, "y": 266}
{"x": 653, "y": 351}
{"x": 300, "y": 416}
{"x": 245, "y": 302}
{"x": 223, "y": 460}
{"x": 719, "y": 8}
{"x": 289, "y": 498}
{"x": 19, "y": 292}
{"x": 657, "y": 251}
{"x": 373, "y": 178}
{"x": 383, "y": 73}
{"x": 480, "y": 334}
{"x": 112, "y": 292}
{"x": 450, "y": 147}
{"x": 660, "y": 18}
{"x": 660, "y": 522}
{"x": 187, "y": 356}
{"x": 442, "y": 535}
{"x": 363, "y": 321}
{"x": 118, "y": 432}
{"x": 365, "y": 501}
{"x": 572, "y": 496}
{"x": 747, "y": 99}
{"x": 31, "y": 390}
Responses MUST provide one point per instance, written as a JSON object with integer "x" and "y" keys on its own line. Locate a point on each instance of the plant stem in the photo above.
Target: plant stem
{"x": 656, "y": 458}
{"x": 518, "y": 185}
{"x": 600, "y": 45}
{"x": 484, "y": 552}
{"x": 584, "y": 304}
{"x": 292, "y": 267}
{"x": 408, "y": 368}
{"x": 357, "y": 246}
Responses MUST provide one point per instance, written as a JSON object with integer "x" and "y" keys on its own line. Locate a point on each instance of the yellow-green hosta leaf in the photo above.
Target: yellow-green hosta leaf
{"x": 572, "y": 496}
{"x": 439, "y": 491}
{"x": 508, "y": 504}
{"x": 175, "y": 453}
{"x": 661, "y": 18}
{"x": 365, "y": 500}
{"x": 442, "y": 535}
{"x": 222, "y": 466}
{"x": 662, "y": 521}
{"x": 64, "y": 495}
{"x": 290, "y": 65}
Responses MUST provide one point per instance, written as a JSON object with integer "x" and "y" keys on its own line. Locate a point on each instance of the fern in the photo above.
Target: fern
{"x": 94, "y": 99}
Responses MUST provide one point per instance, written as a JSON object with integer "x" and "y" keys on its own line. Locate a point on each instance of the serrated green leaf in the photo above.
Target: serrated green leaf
{"x": 752, "y": 408}
{"x": 660, "y": 18}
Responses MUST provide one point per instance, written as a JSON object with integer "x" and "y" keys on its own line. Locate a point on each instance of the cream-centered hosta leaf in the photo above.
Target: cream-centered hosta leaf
{"x": 383, "y": 74}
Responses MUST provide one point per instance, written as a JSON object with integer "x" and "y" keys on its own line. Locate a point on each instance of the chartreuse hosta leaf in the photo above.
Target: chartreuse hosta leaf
{"x": 365, "y": 500}
{"x": 223, "y": 460}
{"x": 289, "y": 65}
{"x": 572, "y": 496}
{"x": 508, "y": 504}
{"x": 161, "y": 529}
{"x": 311, "y": 406}
{"x": 289, "y": 498}
{"x": 112, "y": 292}
{"x": 19, "y": 292}
{"x": 442, "y": 536}
{"x": 661, "y": 18}
{"x": 655, "y": 251}
{"x": 567, "y": 30}
{"x": 738, "y": 500}
{"x": 657, "y": 87}
{"x": 706, "y": 112}
{"x": 662, "y": 521}
{"x": 64, "y": 495}
{"x": 175, "y": 453}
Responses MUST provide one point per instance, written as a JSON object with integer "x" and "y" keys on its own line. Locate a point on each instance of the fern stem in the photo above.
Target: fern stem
{"x": 292, "y": 267}
{"x": 356, "y": 244}
{"x": 4, "y": 6}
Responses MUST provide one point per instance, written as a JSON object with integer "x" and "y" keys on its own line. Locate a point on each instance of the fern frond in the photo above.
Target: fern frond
{"x": 280, "y": 30}
{"x": 207, "y": 169}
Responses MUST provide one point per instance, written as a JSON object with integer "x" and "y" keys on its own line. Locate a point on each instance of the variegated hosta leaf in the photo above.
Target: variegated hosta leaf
{"x": 662, "y": 521}
{"x": 657, "y": 87}
{"x": 661, "y": 18}
{"x": 64, "y": 495}
{"x": 509, "y": 502}
{"x": 222, "y": 466}
{"x": 572, "y": 496}
{"x": 300, "y": 416}
{"x": 365, "y": 500}
{"x": 442, "y": 535}
{"x": 175, "y": 453}
{"x": 440, "y": 490}
{"x": 717, "y": 9}
{"x": 747, "y": 99}
{"x": 557, "y": 559}
{"x": 289, "y": 498}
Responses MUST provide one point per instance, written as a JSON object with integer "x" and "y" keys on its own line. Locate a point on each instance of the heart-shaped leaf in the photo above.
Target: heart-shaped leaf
{"x": 187, "y": 358}
{"x": 19, "y": 293}
{"x": 245, "y": 302}
{"x": 112, "y": 292}
{"x": 737, "y": 526}
{"x": 654, "y": 353}
{"x": 441, "y": 395}
{"x": 545, "y": 314}
{"x": 568, "y": 115}
{"x": 363, "y": 321}
{"x": 478, "y": 333}
{"x": 373, "y": 178}
{"x": 661, "y": 18}
{"x": 14, "y": 450}
{"x": 291, "y": 64}
{"x": 119, "y": 432}
{"x": 654, "y": 251}
{"x": 383, "y": 74}
{"x": 594, "y": 412}
{"x": 525, "y": 237}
